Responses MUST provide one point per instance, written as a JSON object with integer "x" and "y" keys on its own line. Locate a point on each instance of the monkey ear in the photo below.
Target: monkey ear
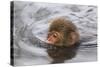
{"x": 73, "y": 38}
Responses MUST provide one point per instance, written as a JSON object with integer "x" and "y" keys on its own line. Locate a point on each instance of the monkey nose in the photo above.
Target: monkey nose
{"x": 49, "y": 42}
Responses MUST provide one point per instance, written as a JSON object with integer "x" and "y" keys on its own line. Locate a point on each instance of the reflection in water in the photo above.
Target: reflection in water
{"x": 60, "y": 54}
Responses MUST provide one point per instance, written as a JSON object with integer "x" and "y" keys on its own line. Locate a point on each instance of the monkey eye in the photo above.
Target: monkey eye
{"x": 55, "y": 35}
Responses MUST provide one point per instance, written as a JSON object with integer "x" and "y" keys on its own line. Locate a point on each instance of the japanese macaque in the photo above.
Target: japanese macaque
{"x": 63, "y": 35}
{"x": 62, "y": 32}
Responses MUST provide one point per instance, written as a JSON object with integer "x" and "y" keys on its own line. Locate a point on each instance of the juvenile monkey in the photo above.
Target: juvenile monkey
{"x": 63, "y": 35}
{"x": 62, "y": 32}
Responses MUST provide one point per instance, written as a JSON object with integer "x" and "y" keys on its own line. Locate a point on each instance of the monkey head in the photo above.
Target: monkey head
{"x": 62, "y": 32}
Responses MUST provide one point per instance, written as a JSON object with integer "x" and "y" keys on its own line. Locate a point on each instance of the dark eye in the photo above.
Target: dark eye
{"x": 55, "y": 35}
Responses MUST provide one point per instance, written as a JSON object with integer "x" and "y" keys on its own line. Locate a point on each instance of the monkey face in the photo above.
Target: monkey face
{"x": 54, "y": 38}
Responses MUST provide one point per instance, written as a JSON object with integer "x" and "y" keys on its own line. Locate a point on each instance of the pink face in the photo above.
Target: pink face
{"x": 52, "y": 38}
